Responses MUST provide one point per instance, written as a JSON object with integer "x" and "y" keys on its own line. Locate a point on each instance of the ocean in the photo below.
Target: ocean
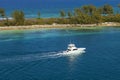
{"x": 35, "y": 54}
{"x": 49, "y": 8}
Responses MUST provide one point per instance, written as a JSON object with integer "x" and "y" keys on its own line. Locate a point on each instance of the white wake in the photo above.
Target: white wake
{"x": 34, "y": 57}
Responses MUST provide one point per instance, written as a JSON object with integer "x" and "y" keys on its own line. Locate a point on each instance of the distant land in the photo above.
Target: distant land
{"x": 58, "y": 13}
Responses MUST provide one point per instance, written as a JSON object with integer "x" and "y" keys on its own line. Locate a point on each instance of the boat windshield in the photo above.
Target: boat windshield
{"x": 69, "y": 50}
{"x": 74, "y": 49}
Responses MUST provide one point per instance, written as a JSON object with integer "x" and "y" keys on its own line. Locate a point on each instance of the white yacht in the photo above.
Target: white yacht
{"x": 73, "y": 50}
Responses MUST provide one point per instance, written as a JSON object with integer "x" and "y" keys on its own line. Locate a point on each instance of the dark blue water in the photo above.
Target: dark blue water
{"x": 49, "y": 8}
{"x": 32, "y": 55}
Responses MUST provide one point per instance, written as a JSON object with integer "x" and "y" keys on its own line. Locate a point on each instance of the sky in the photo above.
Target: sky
{"x": 53, "y": 3}
{"x": 31, "y": 7}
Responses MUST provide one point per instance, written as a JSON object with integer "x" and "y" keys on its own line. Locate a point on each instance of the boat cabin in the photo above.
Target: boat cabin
{"x": 71, "y": 47}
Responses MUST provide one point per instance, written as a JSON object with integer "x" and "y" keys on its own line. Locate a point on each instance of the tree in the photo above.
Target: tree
{"x": 117, "y": 18}
{"x": 77, "y": 12}
{"x": 107, "y": 9}
{"x": 92, "y": 9}
{"x": 62, "y": 14}
{"x": 5, "y": 19}
{"x": 89, "y": 9}
{"x": 18, "y": 17}
{"x": 119, "y": 7}
{"x": 96, "y": 17}
{"x": 80, "y": 17}
{"x": 85, "y": 9}
{"x": 38, "y": 15}
{"x": 2, "y": 13}
{"x": 69, "y": 14}
{"x": 100, "y": 10}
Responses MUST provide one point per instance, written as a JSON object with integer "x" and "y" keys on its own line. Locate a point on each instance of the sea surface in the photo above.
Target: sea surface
{"x": 35, "y": 54}
{"x": 50, "y": 8}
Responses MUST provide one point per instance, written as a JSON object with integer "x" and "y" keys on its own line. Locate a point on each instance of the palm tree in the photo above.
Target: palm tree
{"x": 96, "y": 17}
{"x": 119, "y": 7}
{"x": 92, "y": 9}
{"x": 107, "y": 9}
{"x": 38, "y": 15}
{"x": 77, "y": 12}
{"x": 62, "y": 14}
{"x": 2, "y": 13}
{"x": 18, "y": 17}
{"x": 85, "y": 9}
{"x": 69, "y": 14}
{"x": 89, "y": 9}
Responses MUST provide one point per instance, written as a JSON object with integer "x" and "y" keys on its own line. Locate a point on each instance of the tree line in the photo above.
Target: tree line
{"x": 87, "y": 14}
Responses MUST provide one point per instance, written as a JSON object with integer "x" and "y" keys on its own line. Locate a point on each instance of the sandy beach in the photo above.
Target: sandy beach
{"x": 58, "y": 26}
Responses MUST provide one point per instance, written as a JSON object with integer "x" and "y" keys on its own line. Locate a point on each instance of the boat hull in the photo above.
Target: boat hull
{"x": 76, "y": 52}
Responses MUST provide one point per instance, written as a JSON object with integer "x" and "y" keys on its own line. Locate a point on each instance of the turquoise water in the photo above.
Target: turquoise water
{"x": 33, "y": 55}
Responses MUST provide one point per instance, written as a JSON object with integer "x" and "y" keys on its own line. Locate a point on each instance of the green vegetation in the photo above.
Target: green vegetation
{"x": 62, "y": 14}
{"x": 119, "y": 7}
{"x": 87, "y": 14}
{"x": 2, "y": 12}
{"x": 18, "y": 17}
{"x": 69, "y": 14}
{"x": 38, "y": 15}
{"x": 107, "y": 9}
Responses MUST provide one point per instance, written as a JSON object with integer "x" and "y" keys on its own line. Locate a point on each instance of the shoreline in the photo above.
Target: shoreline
{"x": 60, "y": 26}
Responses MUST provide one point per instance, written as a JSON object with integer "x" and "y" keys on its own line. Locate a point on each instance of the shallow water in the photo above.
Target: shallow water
{"x": 35, "y": 55}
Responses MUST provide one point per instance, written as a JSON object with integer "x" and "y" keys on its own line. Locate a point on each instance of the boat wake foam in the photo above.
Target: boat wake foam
{"x": 34, "y": 57}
